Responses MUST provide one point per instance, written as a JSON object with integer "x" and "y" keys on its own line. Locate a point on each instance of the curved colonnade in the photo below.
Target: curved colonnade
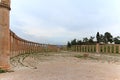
{"x": 21, "y": 46}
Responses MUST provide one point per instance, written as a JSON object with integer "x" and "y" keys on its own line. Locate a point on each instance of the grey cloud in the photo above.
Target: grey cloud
{"x": 77, "y": 17}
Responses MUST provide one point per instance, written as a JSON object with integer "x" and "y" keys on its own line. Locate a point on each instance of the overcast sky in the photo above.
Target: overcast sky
{"x": 58, "y": 21}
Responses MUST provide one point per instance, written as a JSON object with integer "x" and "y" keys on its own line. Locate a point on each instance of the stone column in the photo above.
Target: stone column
{"x": 90, "y": 48}
{"x": 119, "y": 49}
{"x": 103, "y": 49}
{"x": 11, "y": 41}
{"x": 27, "y": 45}
{"x": 4, "y": 34}
{"x": 110, "y": 48}
{"x": 97, "y": 48}
{"x": 37, "y": 48}
{"x": 114, "y": 48}
{"x": 13, "y": 44}
{"x": 76, "y": 48}
{"x": 30, "y": 46}
{"x": 107, "y": 48}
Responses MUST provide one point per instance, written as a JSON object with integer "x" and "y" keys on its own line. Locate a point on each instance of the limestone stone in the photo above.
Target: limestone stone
{"x": 4, "y": 34}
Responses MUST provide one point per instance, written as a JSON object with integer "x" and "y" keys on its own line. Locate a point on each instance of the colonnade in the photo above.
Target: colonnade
{"x": 21, "y": 46}
{"x": 104, "y": 48}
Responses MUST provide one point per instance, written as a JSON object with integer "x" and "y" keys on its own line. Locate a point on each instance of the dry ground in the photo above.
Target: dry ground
{"x": 64, "y": 66}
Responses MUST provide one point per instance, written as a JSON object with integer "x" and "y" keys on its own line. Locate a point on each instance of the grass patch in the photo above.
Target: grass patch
{"x": 79, "y": 56}
{"x": 2, "y": 71}
{"x": 93, "y": 58}
{"x": 85, "y": 56}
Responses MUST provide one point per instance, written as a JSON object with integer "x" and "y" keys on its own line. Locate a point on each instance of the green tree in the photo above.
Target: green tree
{"x": 91, "y": 40}
{"x": 101, "y": 38}
{"x": 69, "y": 44}
{"x": 79, "y": 42}
{"x": 73, "y": 42}
{"x": 85, "y": 39}
{"x": 108, "y": 37}
{"x": 98, "y": 37}
{"x": 117, "y": 40}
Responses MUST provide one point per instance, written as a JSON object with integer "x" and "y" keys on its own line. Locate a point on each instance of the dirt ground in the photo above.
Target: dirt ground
{"x": 64, "y": 66}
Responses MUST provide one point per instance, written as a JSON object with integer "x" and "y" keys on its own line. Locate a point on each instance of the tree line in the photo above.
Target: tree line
{"x": 105, "y": 38}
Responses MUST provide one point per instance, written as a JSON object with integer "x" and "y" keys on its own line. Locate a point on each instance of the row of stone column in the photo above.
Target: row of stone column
{"x": 21, "y": 46}
{"x": 106, "y": 48}
{"x": 84, "y": 48}
{"x": 112, "y": 48}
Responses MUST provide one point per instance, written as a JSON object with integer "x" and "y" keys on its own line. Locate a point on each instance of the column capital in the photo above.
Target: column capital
{"x": 5, "y": 4}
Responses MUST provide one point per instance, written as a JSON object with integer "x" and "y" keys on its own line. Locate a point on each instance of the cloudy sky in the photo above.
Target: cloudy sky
{"x": 58, "y": 21}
